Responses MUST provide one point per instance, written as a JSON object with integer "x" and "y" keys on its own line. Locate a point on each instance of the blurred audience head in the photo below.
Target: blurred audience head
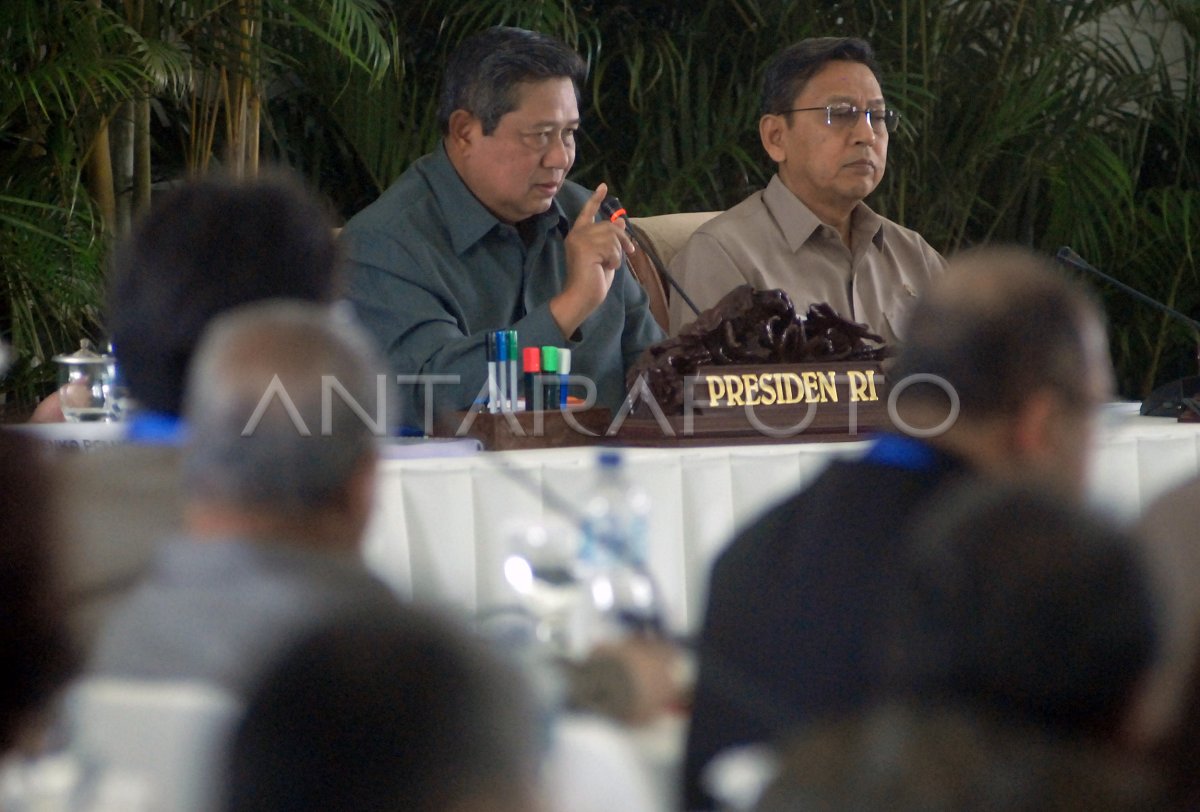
{"x": 896, "y": 758}
{"x": 408, "y": 714}
{"x": 203, "y": 248}
{"x": 1013, "y": 359}
{"x": 35, "y": 654}
{"x": 1021, "y": 630}
{"x": 1023, "y": 607}
{"x": 1167, "y": 722}
{"x": 283, "y": 408}
{"x": 1176, "y": 749}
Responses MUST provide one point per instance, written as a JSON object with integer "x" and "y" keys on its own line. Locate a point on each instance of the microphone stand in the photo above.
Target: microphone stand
{"x": 613, "y": 210}
{"x": 1169, "y": 400}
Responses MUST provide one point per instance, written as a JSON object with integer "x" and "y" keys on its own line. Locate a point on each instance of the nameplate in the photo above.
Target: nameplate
{"x": 768, "y": 403}
{"x": 832, "y": 384}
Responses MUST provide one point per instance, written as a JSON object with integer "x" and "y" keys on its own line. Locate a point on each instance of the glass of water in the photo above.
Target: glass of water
{"x": 540, "y": 569}
{"x": 85, "y": 385}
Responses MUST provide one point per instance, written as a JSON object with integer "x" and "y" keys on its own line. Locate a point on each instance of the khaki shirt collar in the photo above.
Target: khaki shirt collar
{"x": 797, "y": 222}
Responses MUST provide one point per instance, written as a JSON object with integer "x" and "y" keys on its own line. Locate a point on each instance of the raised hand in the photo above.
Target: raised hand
{"x": 594, "y": 252}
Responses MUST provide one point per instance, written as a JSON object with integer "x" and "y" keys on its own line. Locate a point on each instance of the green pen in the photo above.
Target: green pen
{"x": 550, "y": 377}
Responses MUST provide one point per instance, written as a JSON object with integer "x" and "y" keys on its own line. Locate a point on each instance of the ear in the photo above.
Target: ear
{"x": 771, "y": 128}
{"x": 357, "y": 499}
{"x": 1034, "y": 426}
{"x": 362, "y": 483}
{"x": 465, "y": 129}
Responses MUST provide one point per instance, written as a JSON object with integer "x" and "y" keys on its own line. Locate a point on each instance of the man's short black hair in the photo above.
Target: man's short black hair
{"x": 205, "y": 248}
{"x": 484, "y": 70}
{"x": 789, "y": 70}
{"x": 405, "y": 712}
{"x": 1023, "y": 606}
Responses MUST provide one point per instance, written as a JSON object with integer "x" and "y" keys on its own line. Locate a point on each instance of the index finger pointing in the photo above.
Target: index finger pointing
{"x": 592, "y": 207}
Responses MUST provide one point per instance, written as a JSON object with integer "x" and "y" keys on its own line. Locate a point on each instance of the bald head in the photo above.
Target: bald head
{"x": 1004, "y": 323}
{"x": 1017, "y": 356}
{"x": 270, "y": 409}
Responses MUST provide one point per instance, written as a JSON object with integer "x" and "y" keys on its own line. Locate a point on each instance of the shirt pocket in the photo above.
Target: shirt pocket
{"x": 899, "y": 309}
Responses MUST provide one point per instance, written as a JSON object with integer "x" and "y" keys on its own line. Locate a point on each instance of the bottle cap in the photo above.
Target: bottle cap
{"x": 609, "y": 459}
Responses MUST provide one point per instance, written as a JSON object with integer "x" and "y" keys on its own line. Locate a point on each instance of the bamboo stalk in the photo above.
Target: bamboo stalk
{"x": 253, "y": 143}
{"x": 100, "y": 171}
{"x": 101, "y": 177}
{"x": 141, "y": 153}
{"x": 148, "y": 23}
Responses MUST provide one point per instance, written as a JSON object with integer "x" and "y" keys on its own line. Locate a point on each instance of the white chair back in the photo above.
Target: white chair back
{"x": 169, "y": 735}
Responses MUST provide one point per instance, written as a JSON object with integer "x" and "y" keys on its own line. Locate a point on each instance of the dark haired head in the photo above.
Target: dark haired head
{"x": 204, "y": 248}
{"x": 789, "y": 70}
{"x": 403, "y": 712}
{"x": 35, "y": 653}
{"x": 483, "y": 72}
{"x": 1020, "y": 605}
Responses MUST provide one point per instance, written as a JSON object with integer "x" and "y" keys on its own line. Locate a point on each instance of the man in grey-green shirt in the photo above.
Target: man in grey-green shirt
{"x": 485, "y": 233}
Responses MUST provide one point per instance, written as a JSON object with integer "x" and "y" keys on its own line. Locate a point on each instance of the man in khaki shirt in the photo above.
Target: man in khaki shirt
{"x": 809, "y": 233}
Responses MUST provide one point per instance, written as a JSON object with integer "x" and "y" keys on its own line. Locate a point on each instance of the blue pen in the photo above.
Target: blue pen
{"x": 513, "y": 375}
{"x": 564, "y": 369}
{"x": 492, "y": 360}
{"x": 502, "y": 367}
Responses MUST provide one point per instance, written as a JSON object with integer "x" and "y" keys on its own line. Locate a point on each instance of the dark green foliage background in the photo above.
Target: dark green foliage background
{"x": 1065, "y": 123}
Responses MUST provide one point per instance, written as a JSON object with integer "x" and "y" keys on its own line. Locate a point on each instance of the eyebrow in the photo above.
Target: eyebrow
{"x": 851, "y": 100}
{"x": 542, "y": 124}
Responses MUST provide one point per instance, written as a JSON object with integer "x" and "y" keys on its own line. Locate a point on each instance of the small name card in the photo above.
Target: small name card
{"x": 731, "y": 387}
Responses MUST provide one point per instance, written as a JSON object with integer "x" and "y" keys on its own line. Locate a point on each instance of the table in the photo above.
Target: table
{"x": 441, "y": 526}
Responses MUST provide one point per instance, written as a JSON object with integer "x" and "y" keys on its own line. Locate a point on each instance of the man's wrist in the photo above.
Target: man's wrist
{"x": 568, "y": 312}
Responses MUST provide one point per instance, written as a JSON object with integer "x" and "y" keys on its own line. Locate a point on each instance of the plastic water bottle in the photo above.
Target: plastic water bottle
{"x": 612, "y": 557}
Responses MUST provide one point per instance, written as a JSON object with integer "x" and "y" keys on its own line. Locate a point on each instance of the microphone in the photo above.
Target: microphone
{"x": 611, "y": 208}
{"x": 1169, "y": 400}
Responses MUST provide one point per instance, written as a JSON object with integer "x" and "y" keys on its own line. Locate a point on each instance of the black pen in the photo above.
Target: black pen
{"x": 550, "y": 377}
{"x": 531, "y": 360}
{"x": 492, "y": 360}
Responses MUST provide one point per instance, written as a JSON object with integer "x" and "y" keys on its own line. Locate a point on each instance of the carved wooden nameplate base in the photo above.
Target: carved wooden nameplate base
{"x": 774, "y": 403}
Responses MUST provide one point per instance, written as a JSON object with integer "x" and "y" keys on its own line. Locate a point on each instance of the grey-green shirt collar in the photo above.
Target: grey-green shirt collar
{"x": 468, "y": 221}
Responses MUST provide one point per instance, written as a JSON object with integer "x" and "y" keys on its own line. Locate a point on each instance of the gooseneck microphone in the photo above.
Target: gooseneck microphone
{"x": 1068, "y": 257}
{"x": 1172, "y": 398}
{"x": 615, "y": 212}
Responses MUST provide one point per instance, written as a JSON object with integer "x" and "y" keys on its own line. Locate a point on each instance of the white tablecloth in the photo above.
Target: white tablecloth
{"x": 441, "y": 526}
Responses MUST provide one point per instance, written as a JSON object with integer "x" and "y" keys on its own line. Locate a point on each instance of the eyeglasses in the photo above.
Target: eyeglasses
{"x": 845, "y": 116}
